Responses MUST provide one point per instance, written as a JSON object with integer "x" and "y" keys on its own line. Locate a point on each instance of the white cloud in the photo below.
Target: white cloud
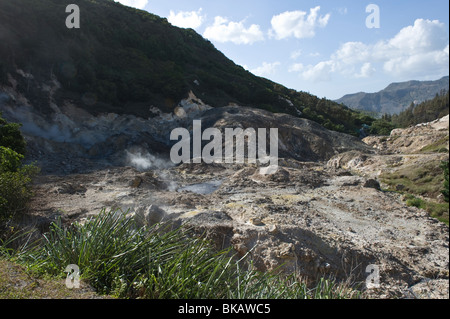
{"x": 434, "y": 62}
{"x": 183, "y": 19}
{"x": 266, "y": 69}
{"x": 296, "y": 67}
{"x": 423, "y": 36}
{"x": 366, "y": 71}
{"x": 298, "y": 24}
{"x": 321, "y": 72}
{"x": 314, "y": 54}
{"x": 296, "y": 54}
{"x": 416, "y": 51}
{"x": 140, "y": 4}
{"x": 228, "y": 31}
{"x": 353, "y": 52}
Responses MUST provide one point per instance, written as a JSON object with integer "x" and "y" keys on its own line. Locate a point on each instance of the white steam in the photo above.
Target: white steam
{"x": 143, "y": 160}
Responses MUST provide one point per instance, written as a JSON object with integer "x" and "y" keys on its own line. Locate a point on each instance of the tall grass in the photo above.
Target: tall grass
{"x": 118, "y": 258}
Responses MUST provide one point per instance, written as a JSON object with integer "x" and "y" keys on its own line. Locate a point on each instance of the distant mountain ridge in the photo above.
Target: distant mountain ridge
{"x": 396, "y": 97}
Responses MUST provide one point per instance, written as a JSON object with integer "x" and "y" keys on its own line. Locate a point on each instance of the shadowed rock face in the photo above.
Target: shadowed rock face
{"x": 300, "y": 139}
{"x": 71, "y": 140}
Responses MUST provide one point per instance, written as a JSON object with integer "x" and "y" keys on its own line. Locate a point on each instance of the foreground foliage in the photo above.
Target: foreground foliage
{"x": 119, "y": 259}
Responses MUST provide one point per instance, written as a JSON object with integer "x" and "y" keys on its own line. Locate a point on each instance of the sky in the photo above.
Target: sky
{"x": 328, "y": 48}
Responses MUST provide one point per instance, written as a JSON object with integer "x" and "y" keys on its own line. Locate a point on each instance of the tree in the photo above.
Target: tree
{"x": 11, "y": 137}
{"x": 10, "y": 161}
{"x": 15, "y": 178}
{"x": 381, "y": 127}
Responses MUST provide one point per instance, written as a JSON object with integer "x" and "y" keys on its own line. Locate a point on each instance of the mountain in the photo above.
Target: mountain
{"x": 98, "y": 106}
{"x": 396, "y": 97}
{"x": 127, "y": 61}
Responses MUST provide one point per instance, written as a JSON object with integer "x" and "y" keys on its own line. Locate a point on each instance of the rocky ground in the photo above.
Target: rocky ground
{"x": 306, "y": 218}
{"x": 322, "y": 213}
{"x": 407, "y": 160}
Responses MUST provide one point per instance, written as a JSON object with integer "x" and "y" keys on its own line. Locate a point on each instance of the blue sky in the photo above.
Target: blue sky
{"x": 321, "y": 46}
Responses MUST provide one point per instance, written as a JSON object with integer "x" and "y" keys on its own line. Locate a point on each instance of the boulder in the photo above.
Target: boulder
{"x": 149, "y": 216}
{"x": 372, "y": 183}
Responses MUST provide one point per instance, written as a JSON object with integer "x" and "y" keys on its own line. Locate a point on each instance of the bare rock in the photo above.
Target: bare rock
{"x": 372, "y": 183}
{"x": 429, "y": 289}
{"x": 149, "y": 216}
{"x": 136, "y": 182}
{"x": 280, "y": 176}
{"x": 69, "y": 188}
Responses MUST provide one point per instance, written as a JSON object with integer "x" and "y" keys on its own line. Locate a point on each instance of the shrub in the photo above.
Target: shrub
{"x": 10, "y": 161}
{"x": 15, "y": 178}
{"x": 436, "y": 210}
{"x": 381, "y": 127}
{"x": 15, "y": 191}
{"x": 416, "y": 202}
{"x": 11, "y": 137}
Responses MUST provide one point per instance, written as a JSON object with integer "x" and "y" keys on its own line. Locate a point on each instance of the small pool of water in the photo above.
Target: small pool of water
{"x": 202, "y": 188}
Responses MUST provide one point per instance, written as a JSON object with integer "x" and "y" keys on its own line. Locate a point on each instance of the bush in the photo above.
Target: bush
{"x": 11, "y": 137}
{"x": 15, "y": 178}
{"x": 381, "y": 127}
{"x": 10, "y": 161}
{"x": 15, "y": 191}
{"x": 416, "y": 202}
{"x": 436, "y": 210}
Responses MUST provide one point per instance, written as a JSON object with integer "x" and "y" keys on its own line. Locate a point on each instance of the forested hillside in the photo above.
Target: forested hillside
{"x": 124, "y": 60}
{"x": 424, "y": 112}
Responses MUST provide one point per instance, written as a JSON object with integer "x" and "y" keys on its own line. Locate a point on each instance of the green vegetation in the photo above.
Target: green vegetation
{"x": 424, "y": 183}
{"x": 421, "y": 185}
{"x": 436, "y": 210}
{"x": 424, "y": 180}
{"x": 16, "y": 282}
{"x": 440, "y": 146}
{"x": 415, "y": 114}
{"x": 11, "y": 137}
{"x": 424, "y": 112}
{"x": 382, "y": 126}
{"x": 118, "y": 259}
{"x": 15, "y": 178}
{"x": 126, "y": 59}
{"x": 444, "y": 191}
